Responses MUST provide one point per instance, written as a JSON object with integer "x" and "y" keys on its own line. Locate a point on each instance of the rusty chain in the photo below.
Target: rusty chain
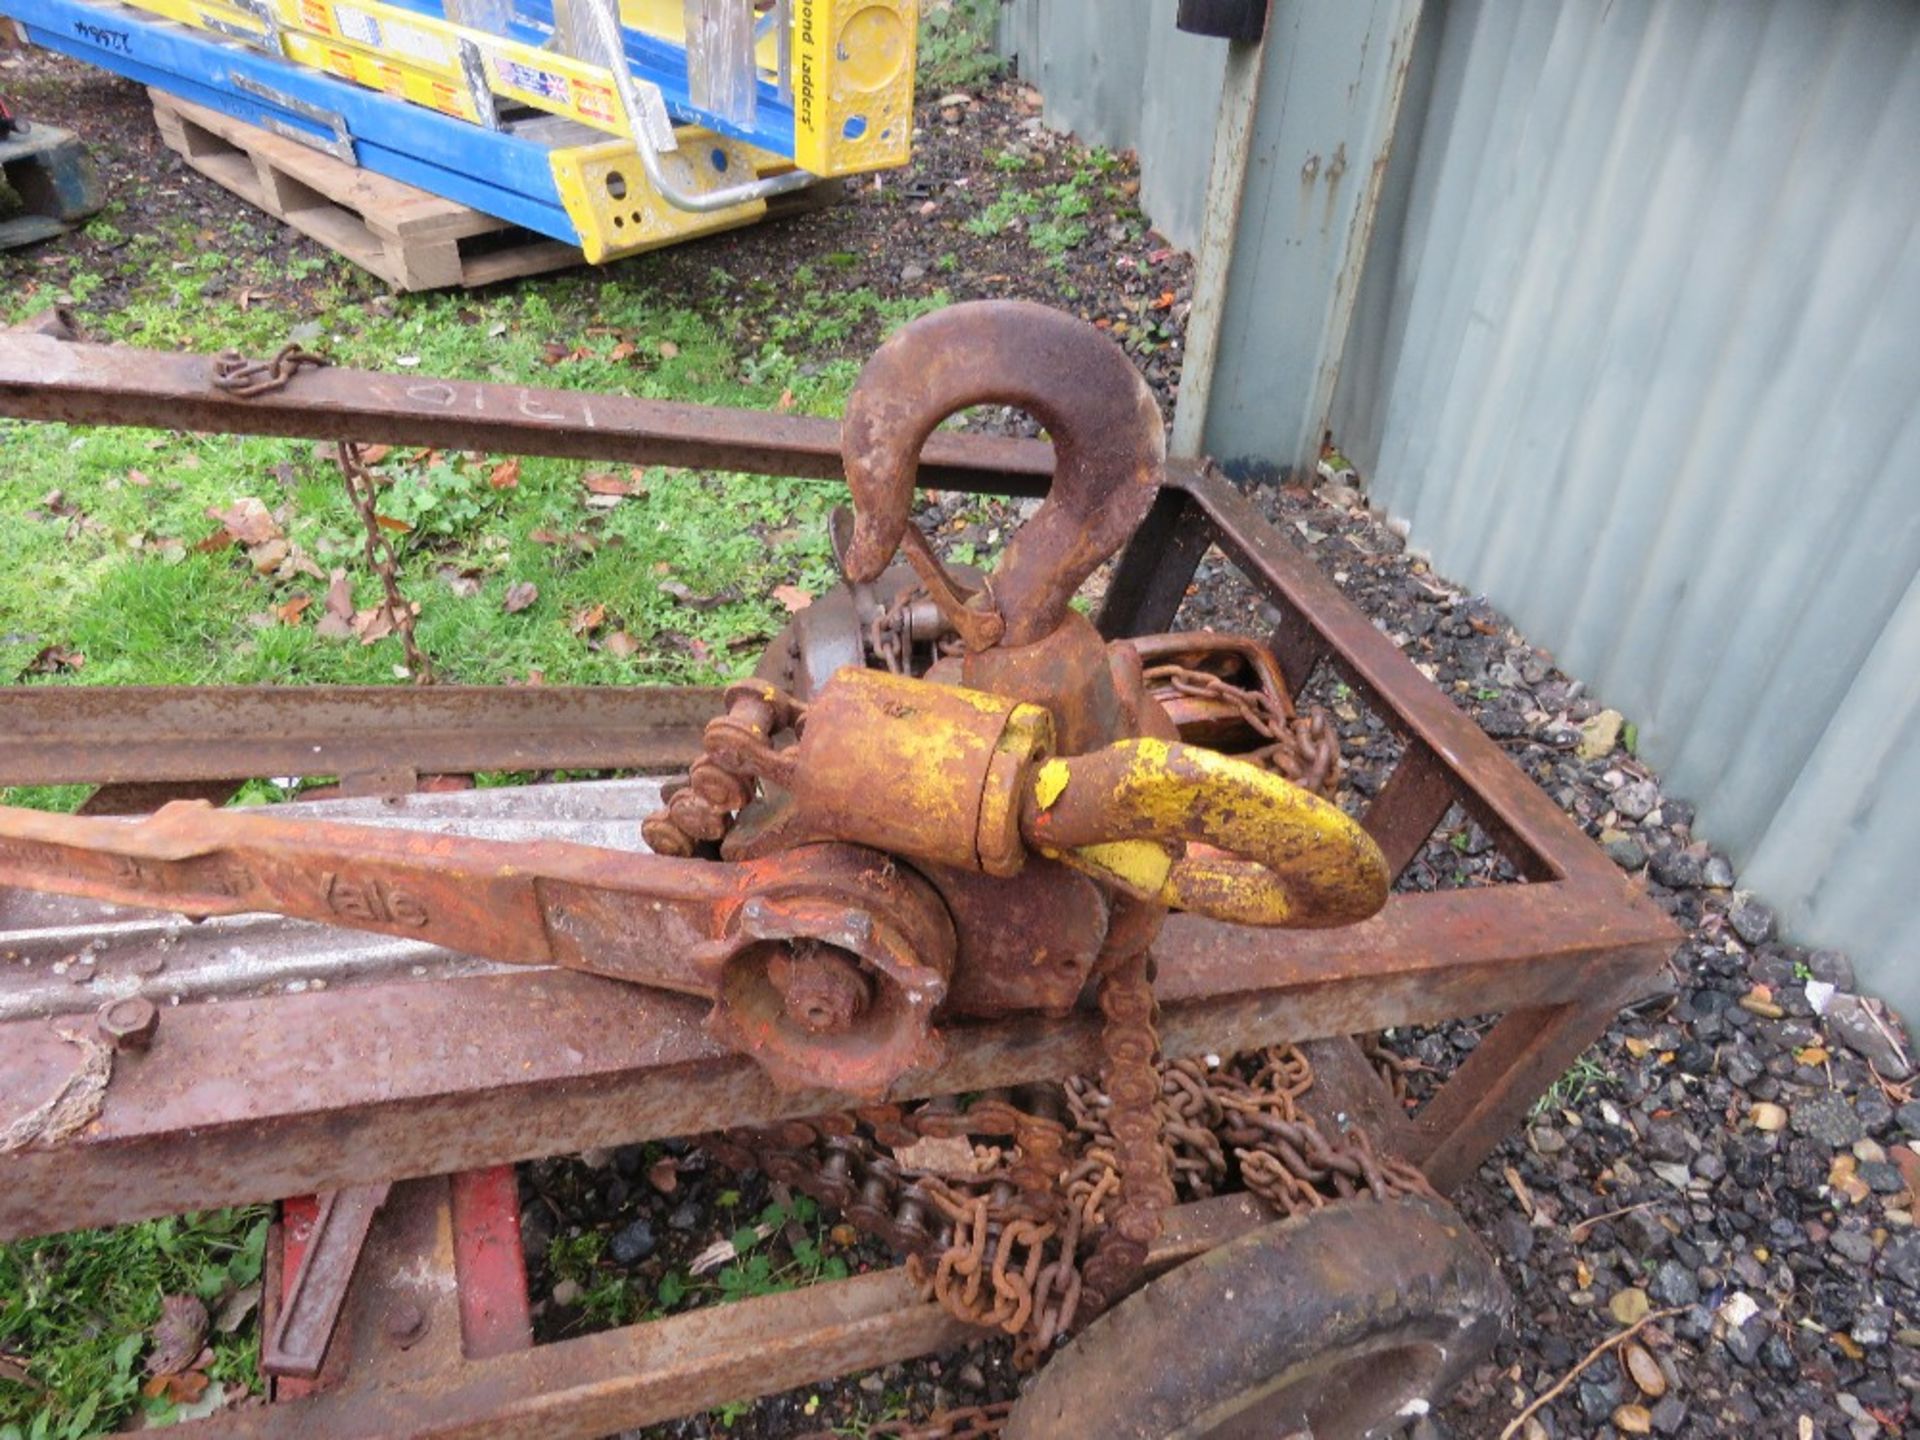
{"x": 245, "y": 378}
{"x": 1303, "y": 748}
{"x": 1009, "y": 1245}
{"x": 1396, "y": 1071}
{"x": 363, "y": 492}
{"x": 1142, "y": 1188}
{"x": 891, "y": 635}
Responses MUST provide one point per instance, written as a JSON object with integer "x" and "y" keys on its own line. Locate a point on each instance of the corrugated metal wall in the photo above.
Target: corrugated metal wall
{"x": 1118, "y": 74}
{"x": 1638, "y": 355}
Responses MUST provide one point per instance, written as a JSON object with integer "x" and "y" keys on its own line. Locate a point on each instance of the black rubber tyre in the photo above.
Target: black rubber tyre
{"x": 1339, "y": 1325}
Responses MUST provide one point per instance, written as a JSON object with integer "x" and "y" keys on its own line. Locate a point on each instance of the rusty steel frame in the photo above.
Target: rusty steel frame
{"x": 433, "y": 1078}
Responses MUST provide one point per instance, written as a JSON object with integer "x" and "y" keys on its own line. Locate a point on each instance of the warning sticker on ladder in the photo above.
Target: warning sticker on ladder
{"x": 595, "y": 102}
{"x": 534, "y": 81}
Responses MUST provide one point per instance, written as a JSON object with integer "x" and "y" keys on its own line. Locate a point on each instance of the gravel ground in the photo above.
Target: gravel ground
{"x": 1736, "y": 1153}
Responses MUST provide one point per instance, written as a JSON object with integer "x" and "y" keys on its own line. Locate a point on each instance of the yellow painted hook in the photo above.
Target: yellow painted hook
{"x": 1292, "y": 859}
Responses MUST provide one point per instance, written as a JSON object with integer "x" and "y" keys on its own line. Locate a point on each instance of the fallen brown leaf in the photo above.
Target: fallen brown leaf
{"x": 339, "y": 594}
{"x": 387, "y": 522}
{"x": 620, "y": 644}
{"x": 138, "y": 477}
{"x": 247, "y": 521}
{"x": 792, "y": 597}
{"x": 668, "y": 350}
{"x": 464, "y": 583}
{"x": 54, "y": 658}
{"x": 1908, "y": 1163}
{"x": 1520, "y": 1190}
{"x": 599, "y": 482}
{"x": 182, "y": 1389}
{"x": 373, "y": 624}
{"x": 520, "y": 596}
{"x": 949, "y": 1155}
{"x": 588, "y": 620}
{"x": 268, "y": 556}
{"x": 238, "y": 1306}
{"x": 337, "y": 622}
{"x": 506, "y": 475}
{"x": 177, "y": 1335}
{"x": 291, "y": 612}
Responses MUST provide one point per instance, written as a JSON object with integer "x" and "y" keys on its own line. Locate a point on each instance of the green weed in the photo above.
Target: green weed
{"x": 956, "y": 44}
{"x": 75, "y": 1309}
{"x": 1573, "y": 1087}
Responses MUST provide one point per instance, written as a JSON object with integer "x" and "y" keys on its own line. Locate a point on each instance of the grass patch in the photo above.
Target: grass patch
{"x": 104, "y": 580}
{"x": 75, "y": 1311}
{"x": 107, "y": 581}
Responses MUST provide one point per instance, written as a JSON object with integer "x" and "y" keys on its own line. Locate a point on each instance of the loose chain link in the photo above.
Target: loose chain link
{"x": 1394, "y": 1069}
{"x": 381, "y": 559}
{"x": 245, "y": 378}
{"x": 1303, "y": 748}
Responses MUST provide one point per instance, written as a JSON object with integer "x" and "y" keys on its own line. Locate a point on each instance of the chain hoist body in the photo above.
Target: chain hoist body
{"x": 943, "y": 794}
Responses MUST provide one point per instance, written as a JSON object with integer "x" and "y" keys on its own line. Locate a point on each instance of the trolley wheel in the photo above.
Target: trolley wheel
{"x": 1341, "y": 1324}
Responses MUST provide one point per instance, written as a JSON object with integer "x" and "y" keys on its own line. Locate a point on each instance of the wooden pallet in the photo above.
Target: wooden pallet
{"x": 410, "y": 238}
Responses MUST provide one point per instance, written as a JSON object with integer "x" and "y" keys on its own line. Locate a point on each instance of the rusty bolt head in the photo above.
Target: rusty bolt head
{"x": 822, "y": 985}
{"x": 129, "y": 1024}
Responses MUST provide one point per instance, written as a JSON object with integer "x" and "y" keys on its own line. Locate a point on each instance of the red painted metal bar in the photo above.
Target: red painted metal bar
{"x": 490, "y": 1266}
{"x": 297, "y": 1341}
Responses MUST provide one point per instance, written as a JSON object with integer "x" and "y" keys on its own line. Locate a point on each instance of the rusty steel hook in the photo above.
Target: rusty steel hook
{"x": 1109, "y": 447}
